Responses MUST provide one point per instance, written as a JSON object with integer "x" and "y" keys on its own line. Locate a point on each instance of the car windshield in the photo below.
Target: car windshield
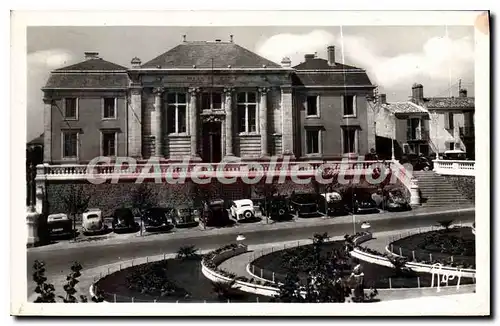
{"x": 305, "y": 197}
{"x": 92, "y": 216}
{"x": 363, "y": 195}
{"x": 184, "y": 210}
{"x": 396, "y": 193}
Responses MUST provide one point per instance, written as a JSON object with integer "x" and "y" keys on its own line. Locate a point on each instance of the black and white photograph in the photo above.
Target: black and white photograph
{"x": 194, "y": 163}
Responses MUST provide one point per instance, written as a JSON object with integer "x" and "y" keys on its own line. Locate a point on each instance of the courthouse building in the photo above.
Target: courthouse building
{"x": 207, "y": 101}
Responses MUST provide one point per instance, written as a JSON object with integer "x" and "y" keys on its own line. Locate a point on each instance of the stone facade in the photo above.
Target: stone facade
{"x": 255, "y": 108}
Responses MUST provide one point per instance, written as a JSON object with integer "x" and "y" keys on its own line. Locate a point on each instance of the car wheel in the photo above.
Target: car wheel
{"x": 281, "y": 211}
{"x": 247, "y": 214}
{"x": 426, "y": 168}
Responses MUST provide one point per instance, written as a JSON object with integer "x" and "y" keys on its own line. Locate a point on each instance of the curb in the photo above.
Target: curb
{"x": 196, "y": 233}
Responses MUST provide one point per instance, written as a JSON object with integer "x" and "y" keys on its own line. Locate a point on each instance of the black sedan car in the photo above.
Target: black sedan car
{"x": 419, "y": 162}
{"x": 183, "y": 217}
{"x": 394, "y": 200}
{"x": 331, "y": 204}
{"x": 359, "y": 201}
{"x": 276, "y": 208}
{"x": 305, "y": 204}
{"x": 215, "y": 213}
{"x": 156, "y": 219}
{"x": 124, "y": 221}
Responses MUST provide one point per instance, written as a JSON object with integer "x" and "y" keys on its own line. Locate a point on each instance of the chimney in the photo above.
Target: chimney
{"x": 184, "y": 38}
{"x": 417, "y": 93}
{"x": 308, "y": 57}
{"x": 382, "y": 99}
{"x": 331, "y": 55}
{"x": 231, "y": 38}
{"x": 136, "y": 62}
{"x": 462, "y": 92}
{"x": 286, "y": 62}
{"x": 91, "y": 55}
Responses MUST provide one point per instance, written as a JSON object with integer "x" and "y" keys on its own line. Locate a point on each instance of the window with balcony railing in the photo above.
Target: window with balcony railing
{"x": 417, "y": 134}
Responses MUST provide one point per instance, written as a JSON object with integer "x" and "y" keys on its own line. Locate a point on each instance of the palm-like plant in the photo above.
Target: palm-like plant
{"x": 446, "y": 224}
{"x": 187, "y": 252}
{"x": 225, "y": 290}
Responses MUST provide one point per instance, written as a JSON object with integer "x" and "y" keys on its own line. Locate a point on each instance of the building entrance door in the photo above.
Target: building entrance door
{"x": 212, "y": 146}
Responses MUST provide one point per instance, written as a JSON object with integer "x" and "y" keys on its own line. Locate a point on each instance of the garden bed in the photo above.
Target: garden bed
{"x": 455, "y": 247}
{"x": 375, "y": 275}
{"x": 182, "y": 280}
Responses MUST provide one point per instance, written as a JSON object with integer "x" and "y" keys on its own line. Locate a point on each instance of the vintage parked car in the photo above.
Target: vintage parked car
{"x": 394, "y": 200}
{"x": 215, "y": 213}
{"x": 359, "y": 200}
{"x": 332, "y": 204}
{"x": 419, "y": 162}
{"x": 156, "y": 219}
{"x": 93, "y": 222}
{"x": 183, "y": 216}
{"x": 59, "y": 225}
{"x": 454, "y": 155}
{"x": 243, "y": 209}
{"x": 305, "y": 204}
{"x": 276, "y": 208}
{"x": 124, "y": 221}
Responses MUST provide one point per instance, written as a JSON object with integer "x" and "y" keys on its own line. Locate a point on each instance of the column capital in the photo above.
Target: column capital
{"x": 47, "y": 100}
{"x": 228, "y": 90}
{"x": 193, "y": 90}
{"x": 158, "y": 90}
{"x": 136, "y": 90}
{"x": 263, "y": 90}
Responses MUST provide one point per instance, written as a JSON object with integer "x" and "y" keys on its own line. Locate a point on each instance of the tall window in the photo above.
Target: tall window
{"x": 211, "y": 101}
{"x": 71, "y": 108}
{"x": 109, "y": 109}
{"x": 108, "y": 143}
{"x": 349, "y": 141}
{"x": 70, "y": 144}
{"x": 349, "y": 105}
{"x": 312, "y": 105}
{"x": 450, "y": 123}
{"x": 176, "y": 113}
{"x": 312, "y": 141}
{"x": 247, "y": 112}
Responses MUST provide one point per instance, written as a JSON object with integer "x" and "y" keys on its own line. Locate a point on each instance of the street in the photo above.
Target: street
{"x": 59, "y": 261}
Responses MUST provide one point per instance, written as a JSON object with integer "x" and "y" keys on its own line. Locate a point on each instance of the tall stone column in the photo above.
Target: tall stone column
{"x": 193, "y": 122}
{"x": 228, "y": 92}
{"x": 135, "y": 123}
{"x": 287, "y": 121}
{"x": 47, "y": 130}
{"x": 156, "y": 119}
{"x": 263, "y": 122}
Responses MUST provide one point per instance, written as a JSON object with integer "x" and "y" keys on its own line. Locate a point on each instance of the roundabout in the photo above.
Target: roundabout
{"x": 237, "y": 273}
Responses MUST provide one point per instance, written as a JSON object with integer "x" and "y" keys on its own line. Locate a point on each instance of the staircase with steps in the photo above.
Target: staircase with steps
{"x": 437, "y": 191}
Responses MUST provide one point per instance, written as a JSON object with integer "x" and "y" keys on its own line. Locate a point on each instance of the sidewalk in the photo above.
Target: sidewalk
{"x": 113, "y": 239}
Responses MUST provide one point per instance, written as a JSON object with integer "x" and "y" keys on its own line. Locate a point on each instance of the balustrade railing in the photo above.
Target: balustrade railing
{"x": 454, "y": 167}
{"x": 83, "y": 171}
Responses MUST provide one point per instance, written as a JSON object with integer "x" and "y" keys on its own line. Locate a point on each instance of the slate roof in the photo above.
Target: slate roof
{"x": 321, "y": 64}
{"x": 93, "y": 64}
{"x": 359, "y": 78}
{"x": 449, "y": 102}
{"x": 200, "y": 54}
{"x": 87, "y": 80}
{"x": 404, "y": 107}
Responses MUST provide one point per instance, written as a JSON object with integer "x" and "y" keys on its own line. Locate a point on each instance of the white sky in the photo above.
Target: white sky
{"x": 394, "y": 57}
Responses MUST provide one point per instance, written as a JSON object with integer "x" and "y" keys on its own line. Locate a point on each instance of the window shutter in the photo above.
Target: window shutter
{"x": 447, "y": 121}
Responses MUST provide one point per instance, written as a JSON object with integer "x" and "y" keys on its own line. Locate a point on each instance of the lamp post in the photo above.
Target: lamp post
{"x": 393, "y": 158}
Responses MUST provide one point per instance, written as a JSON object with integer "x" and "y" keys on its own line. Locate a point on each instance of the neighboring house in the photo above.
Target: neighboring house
{"x": 425, "y": 126}
{"x": 207, "y": 101}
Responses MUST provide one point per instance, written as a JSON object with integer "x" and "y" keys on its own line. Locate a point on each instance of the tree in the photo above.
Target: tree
{"x": 143, "y": 198}
{"x": 200, "y": 195}
{"x": 266, "y": 191}
{"x": 75, "y": 203}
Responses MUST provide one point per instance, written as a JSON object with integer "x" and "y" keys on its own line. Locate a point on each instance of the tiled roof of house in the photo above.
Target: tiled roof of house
{"x": 358, "y": 78}
{"x": 87, "y": 80}
{"x": 36, "y": 141}
{"x": 321, "y": 64}
{"x": 200, "y": 54}
{"x": 449, "y": 102}
{"x": 93, "y": 64}
{"x": 404, "y": 107}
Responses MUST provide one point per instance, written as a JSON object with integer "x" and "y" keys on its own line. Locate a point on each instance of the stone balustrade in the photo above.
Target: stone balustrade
{"x": 46, "y": 172}
{"x": 455, "y": 167}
